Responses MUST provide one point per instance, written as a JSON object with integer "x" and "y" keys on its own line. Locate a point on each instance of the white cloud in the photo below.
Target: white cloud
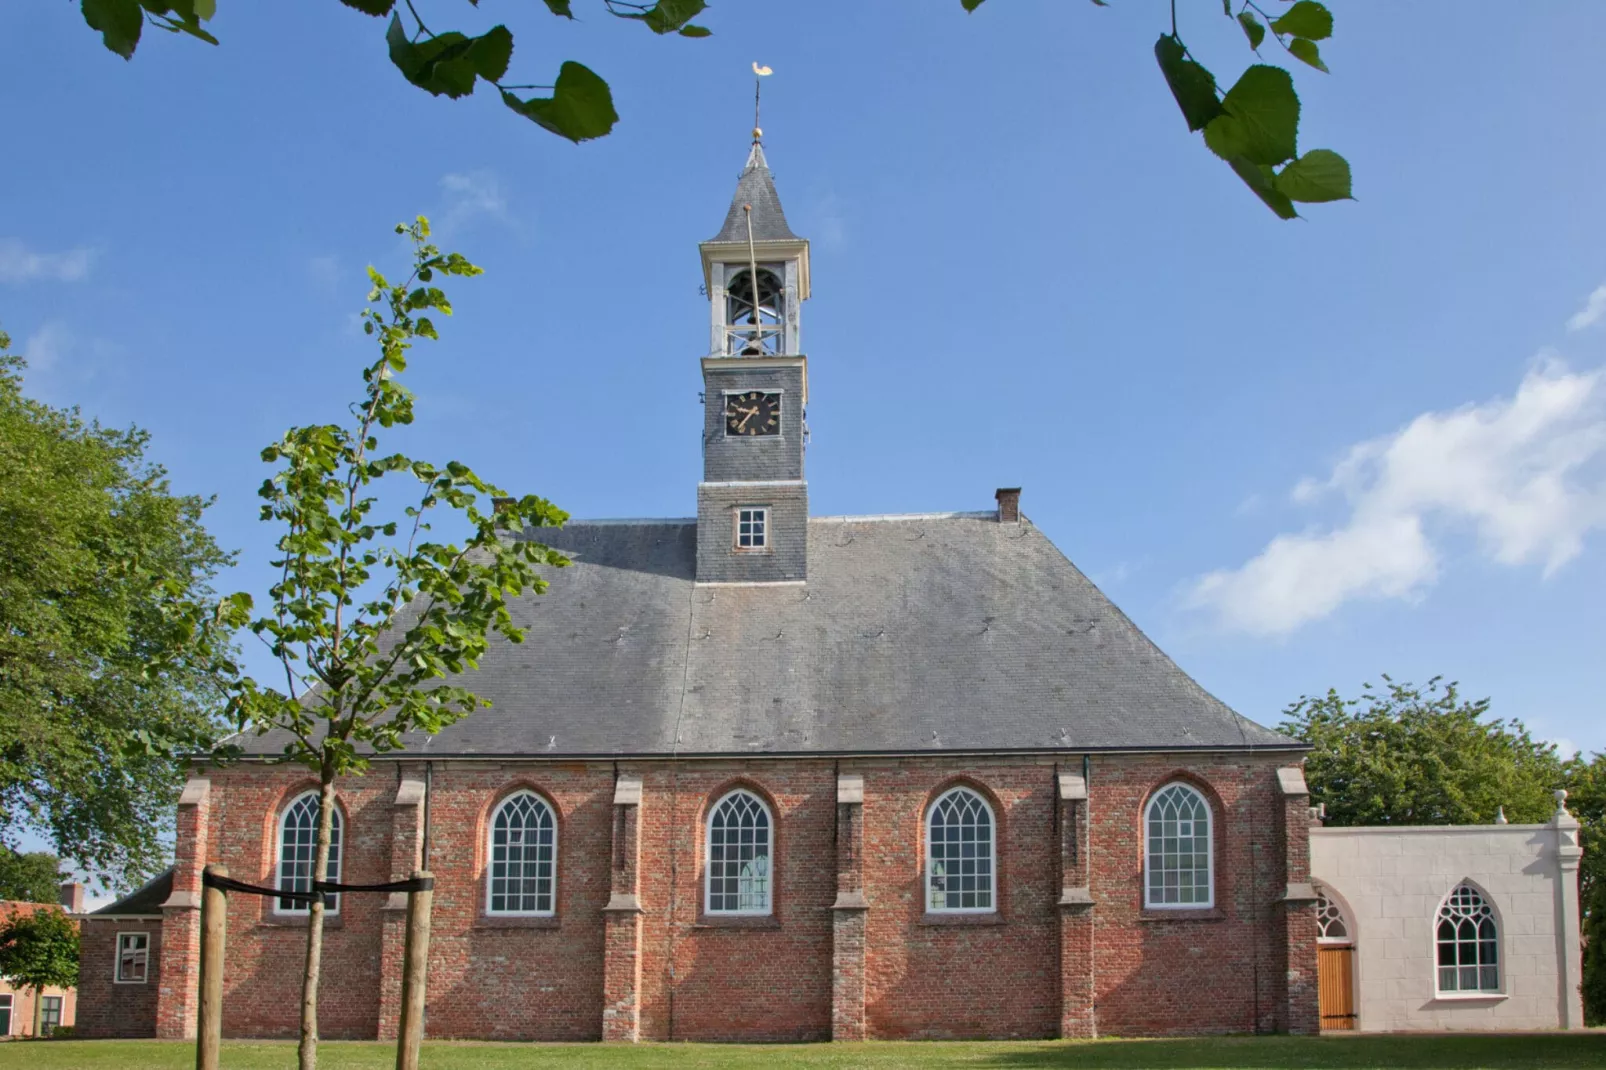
{"x": 1593, "y": 311}
{"x": 18, "y": 263}
{"x": 470, "y": 194}
{"x": 1524, "y": 474}
{"x": 46, "y": 347}
{"x": 325, "y": 272}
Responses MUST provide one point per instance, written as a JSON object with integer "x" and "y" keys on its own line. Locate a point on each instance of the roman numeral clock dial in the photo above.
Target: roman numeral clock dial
{"x": 753, "y": 413}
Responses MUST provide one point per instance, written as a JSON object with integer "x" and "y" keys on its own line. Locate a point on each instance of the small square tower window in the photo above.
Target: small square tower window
{"x": 752, "y": 527}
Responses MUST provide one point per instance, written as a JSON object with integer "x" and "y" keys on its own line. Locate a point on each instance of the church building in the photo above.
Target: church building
{"x": 758, "y": 775}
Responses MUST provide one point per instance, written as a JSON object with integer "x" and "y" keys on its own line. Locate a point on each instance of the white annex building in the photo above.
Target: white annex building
{"x": 1449, "y": 927}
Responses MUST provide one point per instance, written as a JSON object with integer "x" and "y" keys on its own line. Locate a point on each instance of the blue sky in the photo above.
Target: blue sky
{"x": 1297, "y": 454}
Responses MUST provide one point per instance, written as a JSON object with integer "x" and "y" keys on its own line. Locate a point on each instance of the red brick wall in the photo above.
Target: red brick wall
{"x": 1154, "y": 972}
{"x": 1186, "y": 972}
{"x": 105, "y": 1008}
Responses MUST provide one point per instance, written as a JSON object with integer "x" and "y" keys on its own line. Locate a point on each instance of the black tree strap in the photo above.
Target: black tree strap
{"x": 228, "y": 884}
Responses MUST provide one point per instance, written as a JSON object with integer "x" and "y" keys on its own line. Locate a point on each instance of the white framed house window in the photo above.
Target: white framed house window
{"x": 5, "y": 1014}
{"x": 1179, "y": 858}
{"x": 961, "y": 854}
{"x": 739, "y": 873}
{"x": 1332, "y": 927}
{"x": 133, "y": 958}
{"x": 1468, "y": 939}
{"x": 49, "y": 1015}
{"x": 523, "y": 857}
{"x": 298, "y": 848}
{"x": 752, "y": 527}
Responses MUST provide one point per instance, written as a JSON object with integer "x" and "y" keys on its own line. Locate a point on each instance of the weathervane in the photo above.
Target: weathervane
{"x": 758, "y": 82}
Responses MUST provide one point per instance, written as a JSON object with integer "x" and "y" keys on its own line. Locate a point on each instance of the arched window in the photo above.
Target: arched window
{"x": 754, "y": 317}
{"x": 960, "y": 854}
{"x": 524, "y": 856}
{"x": 298, "y": 849}
{"x": 1331, "y": 925}
{"x": 739, "y": 855}
{"x": 1179, "y": 869}
{"x": 1468, "y": 939}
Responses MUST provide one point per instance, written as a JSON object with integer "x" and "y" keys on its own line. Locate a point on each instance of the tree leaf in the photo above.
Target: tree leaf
{"x": 666, "y": 16}
{"x": 1319, "y": 175}
{"x": 371, "y": 7}
{"x": 119, "y": 23}
{"x": 1193, "y": 87}
{"x": 580, "y": 108}
{"x": 696, "y": 31}
{"x": 1267, "y": 109}
{"x": 971, "y": 5}
{"x": 1306, "y": 19}
{"x": 1259, "y": 179}
{"x": 1252, "y": 29}
{"x": 447, "y": 65}
{"x": 1306, "y": 51}
{"x": 560, "y": 8}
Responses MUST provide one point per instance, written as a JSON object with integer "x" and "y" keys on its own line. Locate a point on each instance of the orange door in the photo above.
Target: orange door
{"x": 1335, "y": 974}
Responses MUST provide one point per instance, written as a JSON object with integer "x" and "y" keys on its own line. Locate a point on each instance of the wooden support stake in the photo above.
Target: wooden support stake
{"x": 415, "y": 960}
{"x": 214, "y": 926}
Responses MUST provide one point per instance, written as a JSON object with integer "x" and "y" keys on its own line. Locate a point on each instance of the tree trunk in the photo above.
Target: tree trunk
{"x": 38, "y": 1009}
{"x": 307, "y": 1052}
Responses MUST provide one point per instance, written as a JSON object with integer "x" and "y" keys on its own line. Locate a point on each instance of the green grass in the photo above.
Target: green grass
{"x": 1576, "y": 1050}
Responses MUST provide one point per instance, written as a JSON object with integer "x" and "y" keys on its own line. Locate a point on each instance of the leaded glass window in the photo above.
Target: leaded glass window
{"x": 1331, "y": 925}
{"x": 960, "y": 856}
{"x": 1178, "y": 867}
{"x": 298, "y": 849}
{"x": 1468, "y": 939}
{"x": 524, "y": 854}
{"x": 739, "y": 868}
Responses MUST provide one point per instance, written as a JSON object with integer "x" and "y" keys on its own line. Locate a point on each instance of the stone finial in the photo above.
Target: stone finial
{"x": 1500, "y": 816}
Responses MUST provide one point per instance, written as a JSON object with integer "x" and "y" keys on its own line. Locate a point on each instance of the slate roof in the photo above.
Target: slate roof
{"x": 147, "y": 899}
{"x": 755, "y": 187}
{"x": 925, "y": 633}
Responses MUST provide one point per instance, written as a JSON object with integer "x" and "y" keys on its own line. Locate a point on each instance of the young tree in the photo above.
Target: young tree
{"x": 39, "y": 950}
{"x": 1402, "y": 755}
{"x": 1253, "y": 127}
{"x": 369, "y": 615}
{"x": 106, "y": 668}
{"x": 34, "y": 877}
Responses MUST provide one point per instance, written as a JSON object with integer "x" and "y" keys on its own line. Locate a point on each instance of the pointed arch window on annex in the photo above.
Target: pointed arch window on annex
{"x": 1468, "y": 939}
{"x": 1178, "y": 857}
{"x": 755, "y": 316}
{"x": 739, "y": 872}
{"x": 298, "y": 848}
{"x": 1332, "y": 927}
{"x": 961, "y": 854}
{"x": 523, "y": 858}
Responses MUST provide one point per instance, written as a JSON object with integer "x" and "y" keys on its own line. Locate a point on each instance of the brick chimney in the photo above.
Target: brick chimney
{"x": 72, "y": 897}
{"x": 1008, "y": 504}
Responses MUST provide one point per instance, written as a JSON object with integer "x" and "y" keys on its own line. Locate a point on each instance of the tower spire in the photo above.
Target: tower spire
{"x": 759, "y": 74}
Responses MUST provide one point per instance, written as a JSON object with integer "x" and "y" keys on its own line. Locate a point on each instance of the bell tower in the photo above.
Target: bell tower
{"x": 753, "y": 503}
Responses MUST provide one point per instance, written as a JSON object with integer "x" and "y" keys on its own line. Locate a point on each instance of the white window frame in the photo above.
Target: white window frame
{"x": 490, "y": 857}
{"x": 1210, "y": 848}
{"x": 9, "y": 1005}
{"x": 145, "y": 952}
{"x": 337, "y": 861}
{"x": 1487, "y": 900}
{"x": 1334, "y": 907}
{"x": 992, "y": 854}
{"x": 762, "y": 519}
{"x": 708, "y": 858}
{"x": 46, "y": 1026}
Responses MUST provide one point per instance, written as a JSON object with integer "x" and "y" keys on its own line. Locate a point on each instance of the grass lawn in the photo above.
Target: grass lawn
{"x": 1223, "y": 1053}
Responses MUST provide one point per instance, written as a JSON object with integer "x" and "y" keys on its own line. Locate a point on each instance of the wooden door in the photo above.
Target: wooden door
{"x": 1335, "y": 973}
